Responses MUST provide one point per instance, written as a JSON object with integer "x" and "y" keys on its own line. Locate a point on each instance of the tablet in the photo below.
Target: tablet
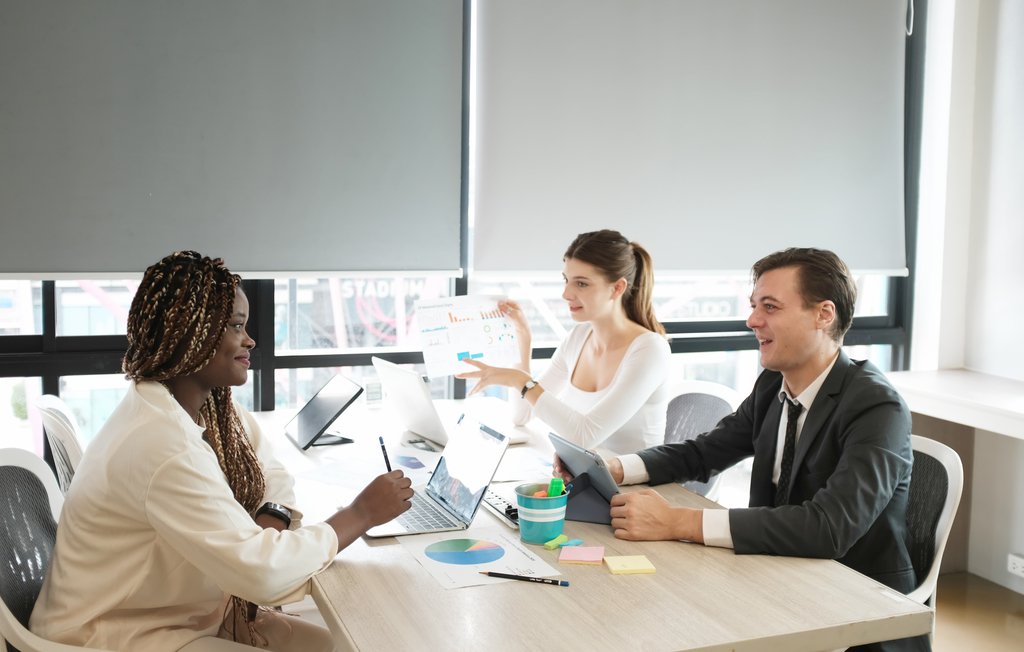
{"x": 309, "y": 425}
{"x": 592, "y": 486}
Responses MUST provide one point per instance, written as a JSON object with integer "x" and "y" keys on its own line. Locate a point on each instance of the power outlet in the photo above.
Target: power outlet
{"x": 1015, "y": 564}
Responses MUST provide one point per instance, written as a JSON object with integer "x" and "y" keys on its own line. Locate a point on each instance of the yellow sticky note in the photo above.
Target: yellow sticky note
{"x": 629, "y": 564}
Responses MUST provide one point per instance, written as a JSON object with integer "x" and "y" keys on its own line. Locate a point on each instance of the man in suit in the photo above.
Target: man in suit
{"x": 830, "y": 439}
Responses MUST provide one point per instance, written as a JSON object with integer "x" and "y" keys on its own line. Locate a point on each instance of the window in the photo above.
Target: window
{"x": 93, "y": 307}
{"x": 345, "y": 314}
{"x": 20, "y": 312}
{"x": 19, "y": 420}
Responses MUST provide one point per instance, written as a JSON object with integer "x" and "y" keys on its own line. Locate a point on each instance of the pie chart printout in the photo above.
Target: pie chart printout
{"x": 464, "y": 552}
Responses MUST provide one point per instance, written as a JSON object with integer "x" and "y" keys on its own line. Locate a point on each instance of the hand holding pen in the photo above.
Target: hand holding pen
{"x": 386, "y": 496}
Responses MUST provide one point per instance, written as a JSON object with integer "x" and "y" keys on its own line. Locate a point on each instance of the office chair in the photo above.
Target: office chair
{"x": 61, "y": 432}
{"x": 697, "y": 407}
{"x": 935, "y": 487}
{"x": 30, "y": 504}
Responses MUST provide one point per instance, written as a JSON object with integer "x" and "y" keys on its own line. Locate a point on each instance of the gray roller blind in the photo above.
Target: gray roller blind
{"x": 284, "y": 136}
{"x": 711, "y": 131}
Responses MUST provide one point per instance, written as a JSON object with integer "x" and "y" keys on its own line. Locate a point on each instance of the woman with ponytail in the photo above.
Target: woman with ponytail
{"x": 179, "y": 521}
{"x": 606, "y": 384}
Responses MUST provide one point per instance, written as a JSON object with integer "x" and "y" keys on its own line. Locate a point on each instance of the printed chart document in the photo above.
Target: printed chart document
{"x": 455, "y": 559}
{"x": 453, "y": 328}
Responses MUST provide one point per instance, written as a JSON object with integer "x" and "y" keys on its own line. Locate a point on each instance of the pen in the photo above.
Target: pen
{"x": 387, "y": 462}
{"x": 526, "y": 578}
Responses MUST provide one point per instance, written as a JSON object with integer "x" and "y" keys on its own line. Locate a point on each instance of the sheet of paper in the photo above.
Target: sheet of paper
{"x": 470, "y": 326}
{"x": 455, "y": 559}
{"x": 524, "y": 465}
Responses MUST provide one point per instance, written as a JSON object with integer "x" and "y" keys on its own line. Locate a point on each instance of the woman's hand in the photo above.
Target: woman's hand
{"x": 386, "y": 497}
{"x": 514, "y": 313}
{"x": 486, "y": 375}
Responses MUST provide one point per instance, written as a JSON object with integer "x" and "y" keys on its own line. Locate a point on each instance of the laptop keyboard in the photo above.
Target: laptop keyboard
{"x": 424, "y": 517}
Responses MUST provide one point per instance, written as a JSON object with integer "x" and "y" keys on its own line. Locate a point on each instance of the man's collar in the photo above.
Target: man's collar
{"x": 806, "y": 397}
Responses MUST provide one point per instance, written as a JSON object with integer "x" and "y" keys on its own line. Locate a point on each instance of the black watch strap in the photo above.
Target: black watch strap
{"x": 530, "y": 384}
{"x": 278, "y": 511}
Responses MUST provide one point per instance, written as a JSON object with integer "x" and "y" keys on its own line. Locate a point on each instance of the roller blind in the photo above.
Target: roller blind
{"x": 711, "y": 131}
{"x": 283, "y": 136}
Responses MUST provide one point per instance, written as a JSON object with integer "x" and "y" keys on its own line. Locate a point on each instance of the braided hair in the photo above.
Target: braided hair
{"x": 176, "y": 322}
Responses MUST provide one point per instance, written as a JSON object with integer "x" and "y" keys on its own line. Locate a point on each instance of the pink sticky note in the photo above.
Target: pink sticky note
{"x": 581, "y": 555}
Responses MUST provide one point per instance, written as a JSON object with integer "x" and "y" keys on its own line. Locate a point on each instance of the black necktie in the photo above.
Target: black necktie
{"x": 788, "y": 449}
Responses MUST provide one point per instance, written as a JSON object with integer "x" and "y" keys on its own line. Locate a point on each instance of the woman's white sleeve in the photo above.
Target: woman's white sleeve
{"x": 280, "y": 484}
{"x": 553, "y": 379}
{"x": 191, "y": 506}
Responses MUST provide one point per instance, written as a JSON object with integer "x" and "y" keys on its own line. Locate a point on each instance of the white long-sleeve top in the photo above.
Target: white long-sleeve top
{"x": 626, "y": 416}
{"x": 151, "y": 540}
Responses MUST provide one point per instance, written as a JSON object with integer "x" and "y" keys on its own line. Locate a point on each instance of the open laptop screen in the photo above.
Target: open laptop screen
{"x": 466, "y": 468}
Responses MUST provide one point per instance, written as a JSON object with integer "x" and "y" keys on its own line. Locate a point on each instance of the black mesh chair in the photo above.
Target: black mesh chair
{"x": 30, "y": 504}
{"x": 935, "y": 488}
{"x": 696, "y": 409}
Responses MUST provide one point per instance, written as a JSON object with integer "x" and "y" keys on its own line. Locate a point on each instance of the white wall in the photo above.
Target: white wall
{"x": 995, "y": 302}
{"x": 972, "y": 242}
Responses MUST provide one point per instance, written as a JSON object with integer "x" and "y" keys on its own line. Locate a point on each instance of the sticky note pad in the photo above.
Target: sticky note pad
{"x": 629, "y": 564}
{"x": 581, "y": 555}
{"x": 557, "y": 541}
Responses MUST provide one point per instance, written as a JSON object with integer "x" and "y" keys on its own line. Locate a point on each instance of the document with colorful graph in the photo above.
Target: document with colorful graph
{"x": 454, "y": 328}
{"x": 455, "y": 560}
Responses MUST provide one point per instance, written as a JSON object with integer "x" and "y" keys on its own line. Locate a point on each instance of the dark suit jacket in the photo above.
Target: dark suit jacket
{"x": 851, "y": 473}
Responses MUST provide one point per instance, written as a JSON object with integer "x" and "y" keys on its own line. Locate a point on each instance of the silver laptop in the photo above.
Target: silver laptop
{"x": 407, "y": 396}
{"x": 456, "y": 488}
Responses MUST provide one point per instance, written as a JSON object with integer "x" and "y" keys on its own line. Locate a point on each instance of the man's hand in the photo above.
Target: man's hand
{"x": 646, "y": 516}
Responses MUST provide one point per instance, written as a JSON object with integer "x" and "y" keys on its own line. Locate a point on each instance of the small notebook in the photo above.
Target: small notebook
{"x": 629, "y": 564}
{"x": 581, "y": 555}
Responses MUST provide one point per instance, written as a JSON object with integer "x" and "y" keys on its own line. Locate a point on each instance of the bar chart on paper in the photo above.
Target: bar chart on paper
{"x": 456, "y": 328}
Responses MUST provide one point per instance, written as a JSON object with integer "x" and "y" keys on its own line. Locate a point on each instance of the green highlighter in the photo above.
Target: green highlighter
{"x": 556, "y": 487}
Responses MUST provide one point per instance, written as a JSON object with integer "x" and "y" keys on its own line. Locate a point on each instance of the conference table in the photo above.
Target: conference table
{"x": 377, "y": 596}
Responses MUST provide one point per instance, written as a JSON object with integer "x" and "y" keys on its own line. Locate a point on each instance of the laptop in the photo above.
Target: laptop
{"x": 309, "y": 426}
{"x": 407, "y": 396}
{"x": 453, "y": 495}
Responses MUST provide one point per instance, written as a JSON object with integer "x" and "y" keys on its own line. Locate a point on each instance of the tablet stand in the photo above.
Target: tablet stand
{"x": 585, "y": 503}
{"x": 331, "y": 440}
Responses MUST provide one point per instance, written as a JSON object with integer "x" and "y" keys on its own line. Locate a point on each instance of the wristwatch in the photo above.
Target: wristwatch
{"x": 277, "y": 511}
{"x": 530, "y": 384}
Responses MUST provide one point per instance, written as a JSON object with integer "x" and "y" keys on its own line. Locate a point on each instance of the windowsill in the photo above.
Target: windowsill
{"x": 967, "y": 397}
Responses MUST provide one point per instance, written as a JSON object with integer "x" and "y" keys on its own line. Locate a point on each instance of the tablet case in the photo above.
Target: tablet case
{"x": 585, "y": 503}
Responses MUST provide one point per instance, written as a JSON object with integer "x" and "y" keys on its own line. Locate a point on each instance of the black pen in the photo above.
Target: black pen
{"x": 387, "y": 462}
{"x": 526, "y": 578}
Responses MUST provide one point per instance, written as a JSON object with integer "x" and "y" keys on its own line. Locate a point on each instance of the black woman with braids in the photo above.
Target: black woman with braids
{"x": 179, "y": 519}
